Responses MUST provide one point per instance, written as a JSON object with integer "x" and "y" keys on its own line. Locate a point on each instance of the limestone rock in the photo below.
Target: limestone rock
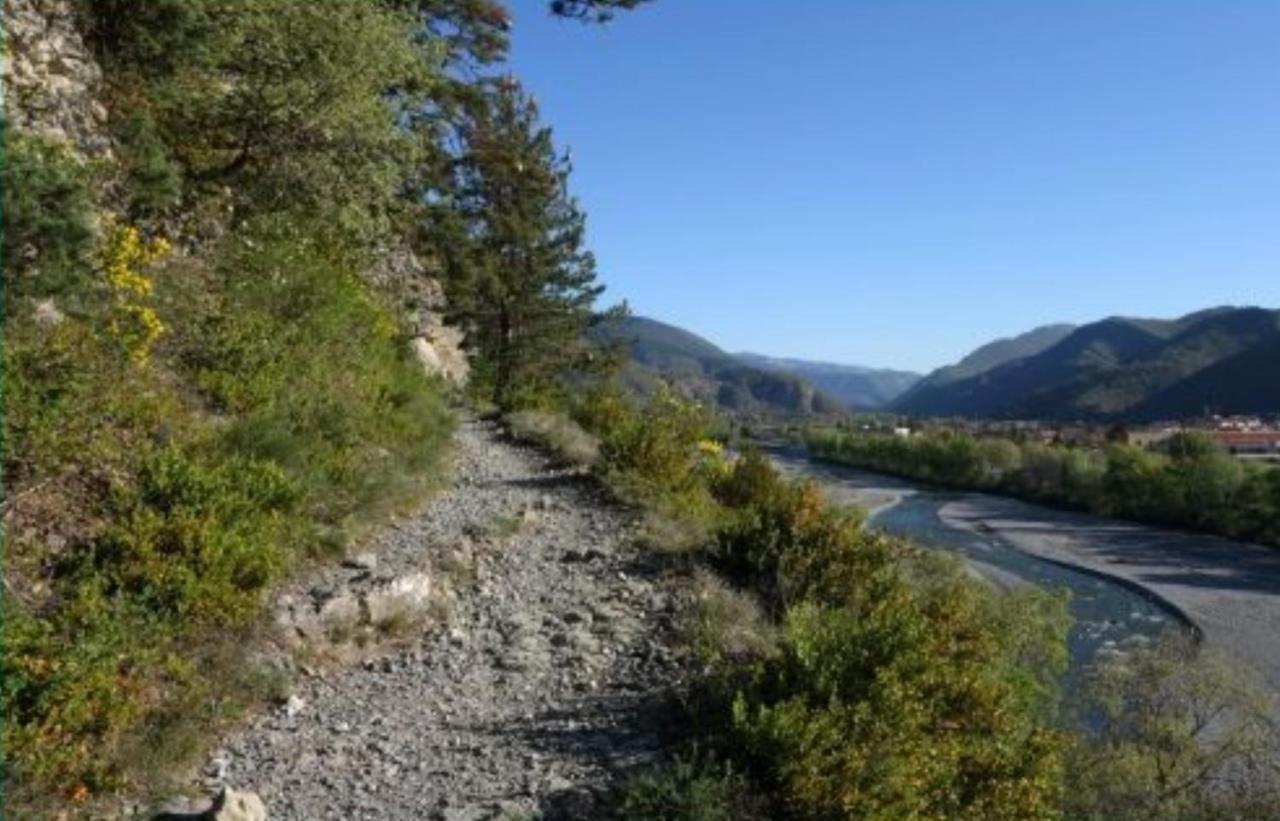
{"x": 51, "y": 80}
{"x": 233, "y": 805}
{"x": 403, "y": 596}
{"x": 439, "y": 351}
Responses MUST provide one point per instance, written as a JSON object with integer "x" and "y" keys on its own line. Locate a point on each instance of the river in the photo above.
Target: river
{"x": 1108, "y": 617}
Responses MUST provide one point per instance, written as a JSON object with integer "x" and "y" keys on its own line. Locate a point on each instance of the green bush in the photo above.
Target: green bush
{"x": 47, "y": 216}
{"x": 279, "y": 407}
{"x": 315, "y": 373}
{"x": 1174, "y": 734}
{"x": 690, "y": 788}
{"x": 154, "y": 179}
{"x": 652, "y": 450}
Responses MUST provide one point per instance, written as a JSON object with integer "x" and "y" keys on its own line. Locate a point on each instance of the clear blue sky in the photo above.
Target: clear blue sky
{"x": 894, "y": 182}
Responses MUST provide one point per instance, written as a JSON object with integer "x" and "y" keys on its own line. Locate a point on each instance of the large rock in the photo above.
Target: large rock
{"x": 233, "y": 805}
{"x": 440, "y": 354}
{"x": 415, "y": 286}
{"x": 229, "y": 805}
{"x": 51, "y": 81}
{"x": 403, "y": 597}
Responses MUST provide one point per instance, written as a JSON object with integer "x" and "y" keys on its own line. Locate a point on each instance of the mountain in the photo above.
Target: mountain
{"x": 856, "y": 386}
{"x": 660, "y": 352}
{"x": 925, "y": 392}
{"x": 1117, "y": 368}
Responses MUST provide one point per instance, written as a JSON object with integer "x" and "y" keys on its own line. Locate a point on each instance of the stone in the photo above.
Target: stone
{"x": 233, "y": 805}
{"x": 341, "y": 611}
{"x": 439, "y": 352}
{"x": 361, "y": 561}
{"x": 405, "y": 595}
{"x": 46, "y": 313}
{"x": 51, "y": 81}
{"x": 294, "y": 705}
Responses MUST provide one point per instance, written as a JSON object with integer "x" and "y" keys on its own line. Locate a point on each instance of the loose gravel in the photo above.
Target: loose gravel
{"x": 546, "y": 684}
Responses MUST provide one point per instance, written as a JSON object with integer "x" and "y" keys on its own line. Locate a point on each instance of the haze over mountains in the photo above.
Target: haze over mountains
{"x": 1223, "y": 360}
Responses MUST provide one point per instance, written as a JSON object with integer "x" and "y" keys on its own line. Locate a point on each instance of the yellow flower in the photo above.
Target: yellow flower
{"x": 134, "y": 324}
{"x": 710, "y": 447}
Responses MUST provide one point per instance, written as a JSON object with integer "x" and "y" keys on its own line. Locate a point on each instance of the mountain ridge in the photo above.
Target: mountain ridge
{"x": 660, "y": 352}
{"x": 1114, "y": 368}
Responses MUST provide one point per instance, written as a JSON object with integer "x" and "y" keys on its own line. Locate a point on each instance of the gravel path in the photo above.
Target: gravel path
{"x": 548, "y": 680}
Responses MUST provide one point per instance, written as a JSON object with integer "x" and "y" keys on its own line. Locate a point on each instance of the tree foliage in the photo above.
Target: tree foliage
{"x": 520, "y": 277}
{"x": 1194, "y": 485}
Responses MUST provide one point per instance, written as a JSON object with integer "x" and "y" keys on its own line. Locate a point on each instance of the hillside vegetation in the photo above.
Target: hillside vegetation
{"x": 658, "y": 353}
{"x": 837, "y": 672}
{"x": 1118, "y": 368}
{"x": 208, "y": 381}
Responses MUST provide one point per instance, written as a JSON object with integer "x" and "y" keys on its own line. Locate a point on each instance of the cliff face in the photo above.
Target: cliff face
{"x": 53, "y": 88}
{"x": 52, "y": 84}
{"x": 421, "y": 300}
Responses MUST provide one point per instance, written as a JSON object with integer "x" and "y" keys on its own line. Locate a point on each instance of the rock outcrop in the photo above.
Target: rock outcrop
{"x": 52, "y": 83}
{"x": 436, "y": 345}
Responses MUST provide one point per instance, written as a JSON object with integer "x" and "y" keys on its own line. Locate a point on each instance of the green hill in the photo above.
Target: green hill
{"x": 858, "y": 387}
{"x": 1117, "y": 368}
{"x": 659, "y": 352}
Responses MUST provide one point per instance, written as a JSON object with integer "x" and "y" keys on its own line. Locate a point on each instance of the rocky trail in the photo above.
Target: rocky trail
{"x": 545, "y": 679}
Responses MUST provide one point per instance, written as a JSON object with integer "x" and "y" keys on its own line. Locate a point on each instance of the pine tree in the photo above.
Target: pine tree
{"x": 522, "y": 284}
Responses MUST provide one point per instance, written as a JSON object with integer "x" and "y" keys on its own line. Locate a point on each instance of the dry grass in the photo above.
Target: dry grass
{"x": 564, "y": 438}
{"x": 724, "y": 623}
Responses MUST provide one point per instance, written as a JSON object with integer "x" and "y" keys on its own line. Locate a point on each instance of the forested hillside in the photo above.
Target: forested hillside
{"x": 657, "y": 353}
{"x": 1118, "y": 368}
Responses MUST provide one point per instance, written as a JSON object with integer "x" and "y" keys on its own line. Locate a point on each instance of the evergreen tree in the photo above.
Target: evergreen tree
{"x": 522, "y": 283}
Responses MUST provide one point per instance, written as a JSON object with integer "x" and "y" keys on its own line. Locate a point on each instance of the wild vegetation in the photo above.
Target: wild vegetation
{"x": 843, "y": 673}
{"x": 1194, "y": 485}
{"x": 846, "y": 674}
{"x": 203, "y": 390}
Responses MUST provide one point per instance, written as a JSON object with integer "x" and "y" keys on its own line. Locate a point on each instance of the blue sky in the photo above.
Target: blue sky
{"x": 894, "y": 182}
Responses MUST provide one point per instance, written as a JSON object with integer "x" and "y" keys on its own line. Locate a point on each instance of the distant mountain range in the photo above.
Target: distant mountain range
{"x": 1225, "y": 360}
{"x": 855, "y": 386}
{"x": 660, "y": 352}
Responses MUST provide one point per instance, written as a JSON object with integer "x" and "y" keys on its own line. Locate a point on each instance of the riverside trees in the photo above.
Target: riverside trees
{"x": 1195, "y": 485}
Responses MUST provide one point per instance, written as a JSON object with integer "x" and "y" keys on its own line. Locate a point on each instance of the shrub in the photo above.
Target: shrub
{"x": 321, "y": 420}
{"x": 724, "y": 624}
{"x": 883, "y": 709}
{"x": 691, "y": 788}
{"x": 1174, "y": 734}
{"x": 47, "y": 218}
{"x": 314, "y": 373}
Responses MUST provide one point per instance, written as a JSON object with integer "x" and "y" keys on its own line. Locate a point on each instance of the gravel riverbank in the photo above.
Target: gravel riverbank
{"x": 1229, "y": 590}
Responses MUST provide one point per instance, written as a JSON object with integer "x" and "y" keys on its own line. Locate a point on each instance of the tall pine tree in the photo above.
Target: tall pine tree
{"x": 522, "y": 283}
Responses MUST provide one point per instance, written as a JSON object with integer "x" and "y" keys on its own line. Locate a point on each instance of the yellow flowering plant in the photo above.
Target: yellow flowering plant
{"x": 134, "y": 323}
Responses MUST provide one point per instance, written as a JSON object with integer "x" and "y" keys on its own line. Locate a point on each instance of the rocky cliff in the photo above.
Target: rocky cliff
{"x": 52, "y": 84}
